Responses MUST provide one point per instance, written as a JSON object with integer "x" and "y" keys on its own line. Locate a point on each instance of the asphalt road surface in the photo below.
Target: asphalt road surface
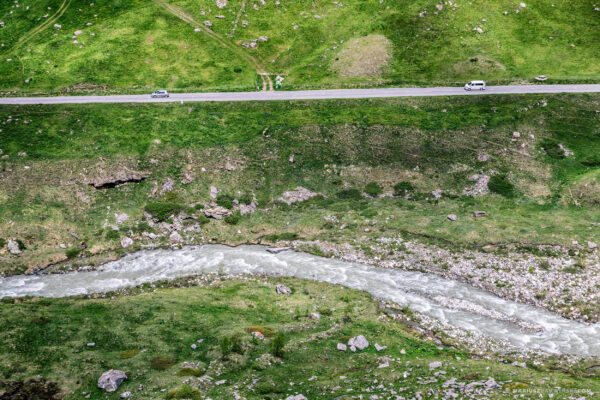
{"x": 306, "y": 94}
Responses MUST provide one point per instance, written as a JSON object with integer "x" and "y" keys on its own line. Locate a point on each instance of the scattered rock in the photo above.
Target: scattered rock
{"x": 478, "y": 214}
{"x": 342, "y": 347}
{"x": 213, "y": 192}
{"x": 217, "y": 212}
{"x": 434, "y": 365}
{"x": 592, "y": 245}
{"x": 481, "y": 185}
{"x": 111, "y": 379}
{"x": 91, "y": 344}
{"x": 478, "y": 30}
{"x": 120, "y": 218}
{"x": 297, "y": 195}
{"x": 221, "y": 3}
{"x": 379, "y": 348}
{"x": 315, "y": 316}
{"x": 359, "y": 342}
{"x": 77, "y": 33}
{"x": 566, "y": 152}
{"x": 296, "y": 397}
{"x": 483, "y": 157}
{"x": 175, "y": 237}
{"x": 126, "y": 242}
{"x": 125, "y": 395}
{"x": 208, "y": 24}
{"x": 452, "y": 217}
{"x": 167, "y": 186}
{"x": 282, "y": 289}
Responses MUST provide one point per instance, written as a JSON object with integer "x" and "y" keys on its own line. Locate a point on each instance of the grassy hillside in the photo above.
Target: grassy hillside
{"x": 538, "y": 195}
{"x": 149, "y": 334}
{"x": 137, "y": 46}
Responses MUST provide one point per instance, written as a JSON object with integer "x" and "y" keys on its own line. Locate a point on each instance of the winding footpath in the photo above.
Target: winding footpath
{"x": 307, "y": 94}
{"x": 450, "y": 302}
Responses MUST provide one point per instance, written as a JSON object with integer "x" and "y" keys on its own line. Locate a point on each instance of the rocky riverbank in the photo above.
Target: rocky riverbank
{"x": 562, "y": 283}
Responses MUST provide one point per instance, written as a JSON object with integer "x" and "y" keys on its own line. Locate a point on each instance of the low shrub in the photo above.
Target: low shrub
{"x": 591, "y": 161}
{"x": 127, "y": 354}
{"x": 2, "y": 242}
{"x": 349, "y": 194}
{"x": 501, "y": 185}
{"x": 232, "y": 344}
{"x": 185, "y": 392}
{"x": 190, "y": 372}
{"x": 403, "y": 188}
{"x": 373, "y": 189}
{"x": 21, "y": 244}
{"x": 274, "y": 237}
{"x": 202, "y": 219}
{"x": 225, "y": 200}
{"x": 277, "y": 345}
{"x": 161, "y": 363}
{"x": 246, "y": 198}
{"x": 265, "y": 330}
{"x": 31, "y": 389}
{"x": 112, "y": 234}
{"x": 72, "y": 252}
{"x": 553, "y": 149}
{"x": 233, "y": 219}
{"x": 162, "y": 210}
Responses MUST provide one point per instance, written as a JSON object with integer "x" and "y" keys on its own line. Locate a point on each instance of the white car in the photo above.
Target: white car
{"x": 160, "y": 93}
{"x": 475, "y": 85}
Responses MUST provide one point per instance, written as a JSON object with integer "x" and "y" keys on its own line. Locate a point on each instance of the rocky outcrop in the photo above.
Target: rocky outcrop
{"x": 115, "y": 178}
{"x": 217, "y": 212}
{"x": 111, "y": 380}
{"x": 297, "y": 195}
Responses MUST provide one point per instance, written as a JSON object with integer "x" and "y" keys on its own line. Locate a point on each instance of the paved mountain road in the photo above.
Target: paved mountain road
{"x": 306, "y": 94}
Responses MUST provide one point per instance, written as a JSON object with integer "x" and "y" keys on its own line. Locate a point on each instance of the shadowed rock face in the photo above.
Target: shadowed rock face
{"x": 114, "y": 178}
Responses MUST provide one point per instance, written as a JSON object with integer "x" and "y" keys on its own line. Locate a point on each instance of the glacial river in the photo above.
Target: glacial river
{"x": 448, "y": 301}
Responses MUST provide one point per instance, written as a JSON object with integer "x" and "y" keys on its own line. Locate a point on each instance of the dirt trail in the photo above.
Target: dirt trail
{"x": 61, "y": 10}
{"x": 180, "y": 13}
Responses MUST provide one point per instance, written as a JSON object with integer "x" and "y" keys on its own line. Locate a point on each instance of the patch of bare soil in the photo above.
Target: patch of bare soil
{"x": 363, "y": 57}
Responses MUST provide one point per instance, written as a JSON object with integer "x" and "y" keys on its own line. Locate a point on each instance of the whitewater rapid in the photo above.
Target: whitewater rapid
{"x": 448, "y": 301}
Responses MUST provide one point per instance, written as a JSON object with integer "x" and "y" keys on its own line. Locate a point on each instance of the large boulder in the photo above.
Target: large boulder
{"x": 282, "y": 289}
{"x": 13, "y": 247}
{"x": 358, "y": 342}
{"x": 111, "y": 379}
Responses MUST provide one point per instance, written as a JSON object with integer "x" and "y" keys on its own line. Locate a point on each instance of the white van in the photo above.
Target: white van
{"x": 475, "y": 85}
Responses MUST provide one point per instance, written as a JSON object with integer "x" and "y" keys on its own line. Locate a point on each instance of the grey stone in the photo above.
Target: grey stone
{"x": 175, "y": 237}
{"x": 296, "y": 397}
{"x": 379, "y": 347}
{"x": 434, "y": 365}
{"x": 478, "y": 214}
{"x": 126, "y": 242}
{"x": 213, "y": 192}
{"x": 360, "y": 342}
{"x": 342, "y": 347}
{"x": 125, "y": 395}
{"x": 111, "y": 379}
{"x": 282, "y": 289}
{"x": 452, "y": 217}
{"x": 13, "y": 247}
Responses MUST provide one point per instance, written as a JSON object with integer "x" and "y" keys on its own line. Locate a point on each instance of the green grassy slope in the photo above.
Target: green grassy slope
{"x": 49, "y": 337}
{"x": 245, "y": 151}
{"x": 140, "y": 45}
